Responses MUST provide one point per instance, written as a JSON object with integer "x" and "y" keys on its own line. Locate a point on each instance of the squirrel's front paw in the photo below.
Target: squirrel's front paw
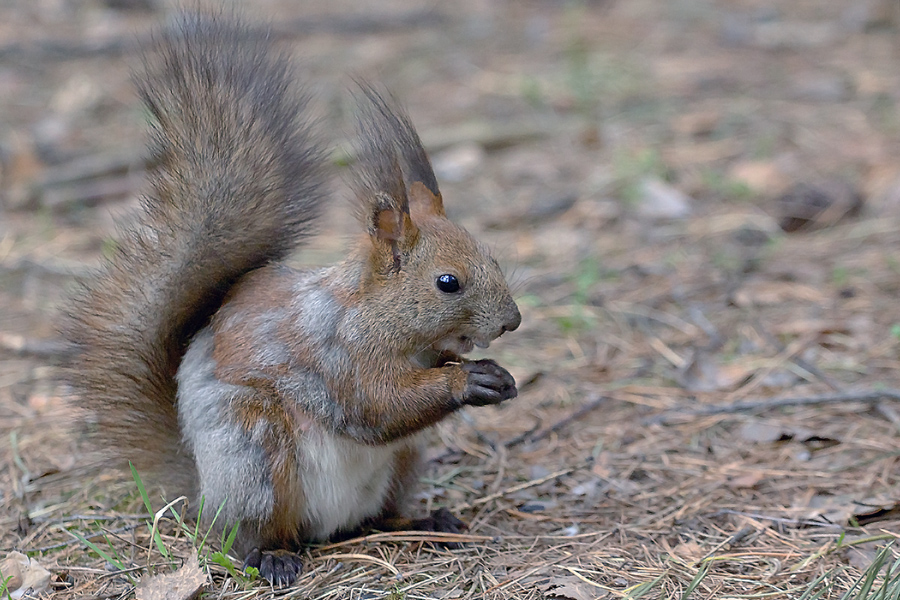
{"x": 279, "y": 567}
{"x": 487, "y": 383}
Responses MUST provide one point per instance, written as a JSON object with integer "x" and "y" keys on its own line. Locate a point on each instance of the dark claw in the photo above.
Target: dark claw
{"x": 278, "y": 567}
{"x": 253, "y": 559}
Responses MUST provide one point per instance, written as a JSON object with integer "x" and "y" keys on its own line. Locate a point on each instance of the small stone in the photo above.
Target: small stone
{"x": 538, "y": 472}
{"x": 697, "y": 124}
{"x": 814, "y": 206}
{"x": 459, "y": 162}
{"x": 659, "y": 200}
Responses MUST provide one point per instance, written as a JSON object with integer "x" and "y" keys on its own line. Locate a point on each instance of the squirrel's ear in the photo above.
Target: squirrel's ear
{"x": 423, "y": 202}
{"x": 391, "y": 228}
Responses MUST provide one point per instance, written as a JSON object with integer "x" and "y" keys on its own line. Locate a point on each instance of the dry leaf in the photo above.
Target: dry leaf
{"x": 26, "y": 575}
{"x": 704, "y": 373}
{"x": 184, "y": 584}
{"x": 876, "y": 509}
{"x": 846, "y": 509}
{"x": 572, "y": 588}
{"x": 760, "y": 432}
{"x": 746, "y": 481}
{"x": 601, "y": 468}
{"x": 688, "y": 552}
{"x": 862, "y": 556}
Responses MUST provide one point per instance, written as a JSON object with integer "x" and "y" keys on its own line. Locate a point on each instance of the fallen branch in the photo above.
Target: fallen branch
{"x": 518, "y": 488}
{"x": 49, "y": 49}
{"x": 40, "y": 268}
{"x": 20, "y": 345}
{"x": 591, "y": 405}
{"x": 92, "y": 166}
{"x": 797, "y": 360}
{"x": 754, "y": 406}
{"x": 409, "y": 536}
{"x": 91, "y": 193}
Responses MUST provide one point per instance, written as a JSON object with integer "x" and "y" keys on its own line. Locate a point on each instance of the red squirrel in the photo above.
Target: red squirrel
{"x": 293, "y": 398}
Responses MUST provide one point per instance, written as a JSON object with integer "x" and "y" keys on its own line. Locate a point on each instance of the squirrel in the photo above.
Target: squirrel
{"x": 292, "y": 399}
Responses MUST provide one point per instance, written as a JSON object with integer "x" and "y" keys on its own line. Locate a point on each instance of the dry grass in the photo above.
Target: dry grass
{"x": 609, "y": 477}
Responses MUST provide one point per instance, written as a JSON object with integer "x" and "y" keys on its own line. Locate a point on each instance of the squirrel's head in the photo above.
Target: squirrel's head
{"x": 443, "y": 287}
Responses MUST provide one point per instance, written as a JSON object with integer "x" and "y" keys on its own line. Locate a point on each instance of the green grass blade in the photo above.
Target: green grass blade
{"x": 199, "y": 519}
{"x": 211, "y": 525}
{"x": 157, "y": 538}
{"x": 141, "y": 488}
{"x": 222, "y": 560}
{"x": 700, "y": 576}
{"x": 807, "y": 595}
{"x": 229, "y": 541}
{"x": 643, "y": 588}
{"x": 110, "y": 559}
{"x": 4, "y": 586}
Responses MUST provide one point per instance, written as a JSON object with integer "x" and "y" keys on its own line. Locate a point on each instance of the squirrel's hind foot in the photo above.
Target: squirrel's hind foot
{"x": 441, "y": 521}
{"x": 279, "y": 567}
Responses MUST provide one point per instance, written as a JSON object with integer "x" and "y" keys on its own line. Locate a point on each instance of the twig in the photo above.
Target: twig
{"x": 75, "y": 540}
{"x": 526, "y": 436}
{"x": 94, "y": 166}
{"x": 518, "y": 487}
{"x": 409, "y": 536}
{"x": 797, "y": 360}
{"x": 363, "y": 558}
{"x": 23, "y": 346}
{"x": 481, "y": 437}
{"x": 779, "y": 520}
{"x": 49, "y": 49}
{"x": 30, "y": 266}
{"x": 530, "y": 435}
{"x": 592, "y": 404}
{"x": 730, "y": 542}
{"x": 91, "y": 192}
{"x": 864, "y": 396}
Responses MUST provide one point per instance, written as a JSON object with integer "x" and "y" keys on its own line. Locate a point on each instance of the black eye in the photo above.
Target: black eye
{"x": 448, "y": 283}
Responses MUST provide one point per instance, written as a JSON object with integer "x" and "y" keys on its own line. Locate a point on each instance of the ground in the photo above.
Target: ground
{"x": 697, "y": 205}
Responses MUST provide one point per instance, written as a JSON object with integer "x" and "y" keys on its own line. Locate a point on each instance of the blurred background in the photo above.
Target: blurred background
{"x": 697, "y": 202}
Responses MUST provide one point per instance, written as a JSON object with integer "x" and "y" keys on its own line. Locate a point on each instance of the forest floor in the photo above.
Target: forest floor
{"x": 698, "y": 205}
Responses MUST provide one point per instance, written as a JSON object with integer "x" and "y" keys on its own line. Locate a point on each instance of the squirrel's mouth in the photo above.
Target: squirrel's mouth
{"x": 452, "y": 349}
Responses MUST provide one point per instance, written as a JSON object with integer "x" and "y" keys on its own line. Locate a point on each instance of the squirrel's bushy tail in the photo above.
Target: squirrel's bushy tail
{"x": 237, "y": 182}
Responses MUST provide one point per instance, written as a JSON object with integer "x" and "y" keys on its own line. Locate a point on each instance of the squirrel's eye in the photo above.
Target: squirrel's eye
{"x": 448, "y": 283}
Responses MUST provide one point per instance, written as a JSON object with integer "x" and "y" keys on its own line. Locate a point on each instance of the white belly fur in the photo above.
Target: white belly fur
{"x": 343, "y": 482}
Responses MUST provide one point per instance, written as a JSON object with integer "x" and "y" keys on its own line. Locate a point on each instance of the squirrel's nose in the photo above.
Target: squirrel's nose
{"x": 514, "y": 318}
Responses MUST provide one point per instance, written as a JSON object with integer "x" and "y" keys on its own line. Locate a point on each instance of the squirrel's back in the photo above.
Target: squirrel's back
{"x": 238, "y": 180}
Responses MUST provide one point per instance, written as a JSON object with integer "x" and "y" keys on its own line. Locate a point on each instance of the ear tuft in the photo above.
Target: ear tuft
{"x": 423, "y": 202}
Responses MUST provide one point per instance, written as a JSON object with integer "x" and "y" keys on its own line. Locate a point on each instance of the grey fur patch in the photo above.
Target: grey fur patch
{"x": 269, "y": 351}
{"x": 231, "y": 466}
{"x": 309, "y": 391}
{"x": 319, "y": 313}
